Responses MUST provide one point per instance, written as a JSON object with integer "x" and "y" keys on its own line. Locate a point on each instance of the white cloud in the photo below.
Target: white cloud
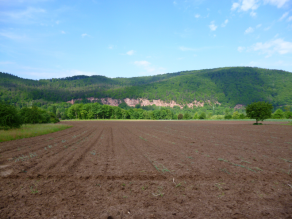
{"x": 174, "y": 2}
{"x": 57, "y": 22}
{"x": 197, "y": 16}
{"x": 283, "y": 16}
{"x": 240, "y": 49}
{"x": 273, "y": 46}
{"x": 84, "y": 35}
{"x": 259, "y": 25}
{"x": 131, "y": 52}
{"x": 149, "y": 68}
{"x": 110, "y": 47}
{"x": 235, "y": 6}
{"x": 212, "y": 26}
{"x": 278, "y": 3}
{"x": 28, "y": 13}
{"x": 253, "y": 14}
{"x": 289, "y": 19}
{"x": 249, "y": 30}
{"x": 246, "y": 5}
{"x": 249, "y": 5}
{"x": 225, "y": 23}
{"x": 63, "y": 32}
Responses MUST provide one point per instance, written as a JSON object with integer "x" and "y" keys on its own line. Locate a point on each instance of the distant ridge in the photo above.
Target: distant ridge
{"x": 229, "y": 86}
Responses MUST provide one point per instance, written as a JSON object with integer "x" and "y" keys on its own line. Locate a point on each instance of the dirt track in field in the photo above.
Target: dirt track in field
{"x": 149, "y": 169}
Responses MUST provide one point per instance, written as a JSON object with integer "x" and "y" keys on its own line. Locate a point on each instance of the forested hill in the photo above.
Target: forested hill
{"x": 230, "y": 86}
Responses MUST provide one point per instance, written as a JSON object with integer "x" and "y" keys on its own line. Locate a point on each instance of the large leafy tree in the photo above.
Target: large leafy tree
{"x": 9, "y": 117}
{"x": 259, "y": 111}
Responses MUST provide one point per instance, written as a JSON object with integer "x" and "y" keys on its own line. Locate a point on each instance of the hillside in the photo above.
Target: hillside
{"x": 229, "y": 86}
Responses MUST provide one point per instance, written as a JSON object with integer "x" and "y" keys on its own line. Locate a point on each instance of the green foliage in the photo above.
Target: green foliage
{"x": 187, "y": 116}
{"x": 288, "y": 115}
{"x": 228, "y": 116}
{"x": 278, "y": 114}
{"x": 235, "y": 115}
{"x": 259, "y": 111}
{"x": 35, "y": 115}
{"x": 9, "y": 117}
{"x": 202, "y": 115}
{"x": 196, "y": 116}
{"x": 229, "y": 86}
{"x": 180, "y": 116}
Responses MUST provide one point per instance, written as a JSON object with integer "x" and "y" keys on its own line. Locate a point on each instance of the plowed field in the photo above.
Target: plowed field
{"x": 148, "y": 169}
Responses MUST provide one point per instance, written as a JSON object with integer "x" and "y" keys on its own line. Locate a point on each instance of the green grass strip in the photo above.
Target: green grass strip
{"x": 30, "y": 130}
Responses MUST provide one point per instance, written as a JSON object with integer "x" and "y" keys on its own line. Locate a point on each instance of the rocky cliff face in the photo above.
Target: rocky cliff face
{"x": 239, "y": 106}
{"x": 144, "y": 102}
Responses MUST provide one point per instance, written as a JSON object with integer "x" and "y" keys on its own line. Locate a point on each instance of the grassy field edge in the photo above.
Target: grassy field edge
{"x": 31, "y": 130}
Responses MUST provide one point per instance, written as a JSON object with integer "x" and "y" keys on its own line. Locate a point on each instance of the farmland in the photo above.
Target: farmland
{"x": 149, "y": 169}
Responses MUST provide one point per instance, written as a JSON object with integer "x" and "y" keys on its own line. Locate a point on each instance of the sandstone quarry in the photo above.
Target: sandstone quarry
{"x": 144, "y": 102}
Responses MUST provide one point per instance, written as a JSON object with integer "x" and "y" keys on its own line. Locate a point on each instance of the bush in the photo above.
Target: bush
{"x": 196, "y": 116}
{"x": 9, "y": 117}
{"x": 35, "y": 115}
{"x": 242, "y": 116}
{"x": 217, "y": 117}
{"x": 278, "y": 114}
{"x": 227, "y": 116}
{"x": 180, "y": 116}
{"x": 202, "y": 115}
{"x": 235, "y": 115}
{"x": 187, "y": 116}
{"x": 53, "y": 118}
{"x": 288, "y": 115}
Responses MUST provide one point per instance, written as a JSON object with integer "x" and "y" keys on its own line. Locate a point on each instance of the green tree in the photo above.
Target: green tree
{"x": 235, "y": 115}
{"x": 278, "y": 114}
{"x": 180, "y": 116}
{"x": 259, "y": 111}
{"x": 187, "y": 116}
{"x": 202, "y": 115}
{"x": 9, "y": 117}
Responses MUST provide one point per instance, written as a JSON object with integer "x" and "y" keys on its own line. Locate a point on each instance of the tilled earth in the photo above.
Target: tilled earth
{"x": 149, "y": 169}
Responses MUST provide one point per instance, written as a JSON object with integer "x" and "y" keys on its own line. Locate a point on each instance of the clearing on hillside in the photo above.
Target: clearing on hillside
{"x": 149, "y": 169}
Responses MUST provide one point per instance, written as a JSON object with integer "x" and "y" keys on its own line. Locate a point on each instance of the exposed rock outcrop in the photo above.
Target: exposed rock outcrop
{"x": 144, "y": 102}
{"x": 239, "y": 106}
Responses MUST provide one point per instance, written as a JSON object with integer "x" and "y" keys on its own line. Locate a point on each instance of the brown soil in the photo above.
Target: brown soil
{"x": 148, "y": 169}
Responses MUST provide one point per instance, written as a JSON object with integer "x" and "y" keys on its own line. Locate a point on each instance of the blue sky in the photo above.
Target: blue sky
{"x": 52, "y": 39}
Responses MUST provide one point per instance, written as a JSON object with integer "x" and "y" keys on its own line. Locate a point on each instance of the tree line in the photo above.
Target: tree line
{"x": 11, "y": 117}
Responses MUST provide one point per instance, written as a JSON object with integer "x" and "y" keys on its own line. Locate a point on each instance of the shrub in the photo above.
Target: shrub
{"x": 278, "y": 114}
{"x": 180, "y": 116}
{"x": 288, "y": 115}
{"x": 242, "y": 116}
{"x": 196, "y": 116}
{"x": 202, "y": 115}
{"x": 217, "y": 117}
{"x": 235, "y": 115}
{"x": 9, "y": 117}
{"x": 187, "y": 116}
{"x": 227, "y": 116}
